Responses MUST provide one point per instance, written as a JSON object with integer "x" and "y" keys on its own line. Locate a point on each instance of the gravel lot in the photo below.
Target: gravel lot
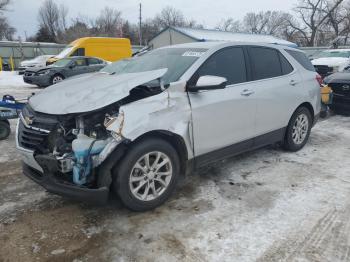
{"x": 267, "y": 205}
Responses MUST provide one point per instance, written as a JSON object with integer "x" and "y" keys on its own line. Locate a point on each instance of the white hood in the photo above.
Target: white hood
{"x": 332, "y": 61}
{"x": 89, "y": 92}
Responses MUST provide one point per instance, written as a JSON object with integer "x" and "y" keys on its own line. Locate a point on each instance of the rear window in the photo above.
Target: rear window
{"x": 265, "y": 62}
{"x": 286, "y": 66}
{"x": 95, "y": 61}
{"x": 302, "y": 59}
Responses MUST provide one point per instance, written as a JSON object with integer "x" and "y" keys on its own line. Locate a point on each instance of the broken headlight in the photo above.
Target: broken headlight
{"x": 115, "y": 124}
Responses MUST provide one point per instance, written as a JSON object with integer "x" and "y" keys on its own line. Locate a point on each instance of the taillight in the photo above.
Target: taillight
{"x": 319, "y": 80}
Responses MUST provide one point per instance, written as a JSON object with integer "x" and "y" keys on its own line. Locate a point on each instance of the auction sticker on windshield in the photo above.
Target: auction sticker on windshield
{"x": 193, "y": 53}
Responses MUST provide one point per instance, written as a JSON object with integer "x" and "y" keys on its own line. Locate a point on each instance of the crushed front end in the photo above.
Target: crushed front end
{"x": 65, "y": 154}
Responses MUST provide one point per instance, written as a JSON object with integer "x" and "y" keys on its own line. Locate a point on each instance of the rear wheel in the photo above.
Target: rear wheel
{"x": 147, "y": 175}
{"x": 298, "y": 130}
{"x": 56, "y": 79}
{"x": 5, "y": 130}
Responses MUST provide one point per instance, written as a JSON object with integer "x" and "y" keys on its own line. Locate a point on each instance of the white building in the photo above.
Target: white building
{"x": 180, "y": 35}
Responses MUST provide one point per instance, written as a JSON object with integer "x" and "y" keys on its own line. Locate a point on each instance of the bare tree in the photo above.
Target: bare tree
{"x": 109, "y": 22}
{"x": 53, "y": 18}
{"x": 269, "y": 22}
{"x": 229, "y": 25}
{"x": 4, "y": 4}
{"x": 63, "y": 13}
{"x": 312, "y": 14}
{"x": 169, "y": 16}
{"x": 6, "y": 30}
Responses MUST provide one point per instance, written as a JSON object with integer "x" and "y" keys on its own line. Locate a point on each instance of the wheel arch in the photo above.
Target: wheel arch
{"x": 309, "y": 107}
{"x": 58, "y": 74}
{"x": 106, "y": 168}
{"x": 173, "y": 139}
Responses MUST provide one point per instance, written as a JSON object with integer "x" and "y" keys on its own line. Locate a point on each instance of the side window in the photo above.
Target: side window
{"x": 79, "y": 52}
{"x": 80, "y": 62}
{"x": 265, "y": 62}
{"x": 302, "y": 59}
{"x": 95, "y": 61}
{"x": 228, "y": 63}
{"x": 286, "y": 66}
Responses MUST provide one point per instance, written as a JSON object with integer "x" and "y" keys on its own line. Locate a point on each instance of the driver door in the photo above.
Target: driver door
{"x": 223, "y": 119}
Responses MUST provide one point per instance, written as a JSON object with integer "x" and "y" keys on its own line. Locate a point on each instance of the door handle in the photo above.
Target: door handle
{"x": 293, "y": 82}
{"x": 247, "y": 92}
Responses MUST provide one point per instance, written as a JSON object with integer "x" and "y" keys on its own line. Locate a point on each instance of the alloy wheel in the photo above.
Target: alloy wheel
{"x": 300, "y": 129}
{"x": 150, "y": 176}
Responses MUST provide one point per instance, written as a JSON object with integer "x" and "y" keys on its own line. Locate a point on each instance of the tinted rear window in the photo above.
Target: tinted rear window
{"x": 286, "y": 66}
{"x": 302, "y": 59}
{"x": 265, "y": 62}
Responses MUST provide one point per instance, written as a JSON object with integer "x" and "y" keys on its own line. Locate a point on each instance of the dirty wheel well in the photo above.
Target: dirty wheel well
{"x": 175, "y": 140}
{"x": 309, "y": 107}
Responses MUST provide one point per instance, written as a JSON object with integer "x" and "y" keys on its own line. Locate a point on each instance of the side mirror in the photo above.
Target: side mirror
{"x": 208, "y": 83}
{"x": 71, "y": 66}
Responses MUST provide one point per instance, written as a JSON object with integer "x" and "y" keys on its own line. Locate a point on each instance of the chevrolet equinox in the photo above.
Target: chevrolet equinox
{"x": 138, "y": 124}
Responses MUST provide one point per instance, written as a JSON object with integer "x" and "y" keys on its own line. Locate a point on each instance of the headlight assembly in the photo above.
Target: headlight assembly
{"x": 45, "y": 72}
{"x": 336, "y": 69}
{"x": 115, "y": 124}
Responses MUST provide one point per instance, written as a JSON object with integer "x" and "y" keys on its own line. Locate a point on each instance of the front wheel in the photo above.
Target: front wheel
{"x": 147, "y": 175}
{"x": 5, "y": 130}
{"x": 298, "y": 130}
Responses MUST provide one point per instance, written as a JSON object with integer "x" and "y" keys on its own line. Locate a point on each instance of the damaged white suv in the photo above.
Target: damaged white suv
{"x": 138, "y": 124}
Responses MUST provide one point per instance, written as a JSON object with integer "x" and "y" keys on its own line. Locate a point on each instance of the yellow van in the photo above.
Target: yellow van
{"x": 106, "y": 48}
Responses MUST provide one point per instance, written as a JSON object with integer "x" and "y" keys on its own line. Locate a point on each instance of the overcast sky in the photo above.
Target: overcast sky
{"x": 23, "y": 14}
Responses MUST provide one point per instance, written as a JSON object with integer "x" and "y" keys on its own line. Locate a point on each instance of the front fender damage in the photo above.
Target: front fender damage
{"x": 168, "y": 111}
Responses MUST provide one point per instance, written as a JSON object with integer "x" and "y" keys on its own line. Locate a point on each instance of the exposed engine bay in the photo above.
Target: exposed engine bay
{"x": 72, "y": 146}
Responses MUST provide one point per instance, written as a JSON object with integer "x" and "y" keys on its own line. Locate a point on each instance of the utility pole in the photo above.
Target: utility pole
{"x": 140, "y": 25}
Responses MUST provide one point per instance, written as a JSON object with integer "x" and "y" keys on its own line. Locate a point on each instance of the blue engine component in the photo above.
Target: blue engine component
{"x": 84, "y": 149}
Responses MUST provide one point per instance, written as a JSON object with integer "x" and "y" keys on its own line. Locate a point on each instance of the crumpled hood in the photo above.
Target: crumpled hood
{"x": 89, "y": 92}
{"x": 331, "y": 61}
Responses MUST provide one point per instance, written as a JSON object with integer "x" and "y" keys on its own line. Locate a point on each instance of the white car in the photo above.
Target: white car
{"x": 332, "y": 61}
{"x": 139, "y": 124}
{"x": 39, "y": 61}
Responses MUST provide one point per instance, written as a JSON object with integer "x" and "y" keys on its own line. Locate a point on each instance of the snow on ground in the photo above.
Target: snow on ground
{"x": 11, "y": 83}
{"x": 266, "y": 205}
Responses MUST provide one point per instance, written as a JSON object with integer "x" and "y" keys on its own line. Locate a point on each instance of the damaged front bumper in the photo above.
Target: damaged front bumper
{"x": 44, "y": 170}
{"x": 47, "y": 180}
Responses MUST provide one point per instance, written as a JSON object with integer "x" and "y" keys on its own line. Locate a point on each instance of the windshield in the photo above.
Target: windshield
{"x": 335, "y": 54}
{"x": 64, "y": 52}
{"x": 176, "y": 60}
{"x": 62, "y": 62}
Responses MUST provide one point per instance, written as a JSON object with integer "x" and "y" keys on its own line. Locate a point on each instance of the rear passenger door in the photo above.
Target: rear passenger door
{"x": 223, "y": 118}
{"x": 275, "y": 83}
{"x": 95, "y": 64}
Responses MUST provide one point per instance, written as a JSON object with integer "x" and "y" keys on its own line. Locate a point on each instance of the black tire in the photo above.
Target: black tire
{"x": 289, "y": 144}
{"x": 123, "y": 171}
{"x": 5, "y": 130}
